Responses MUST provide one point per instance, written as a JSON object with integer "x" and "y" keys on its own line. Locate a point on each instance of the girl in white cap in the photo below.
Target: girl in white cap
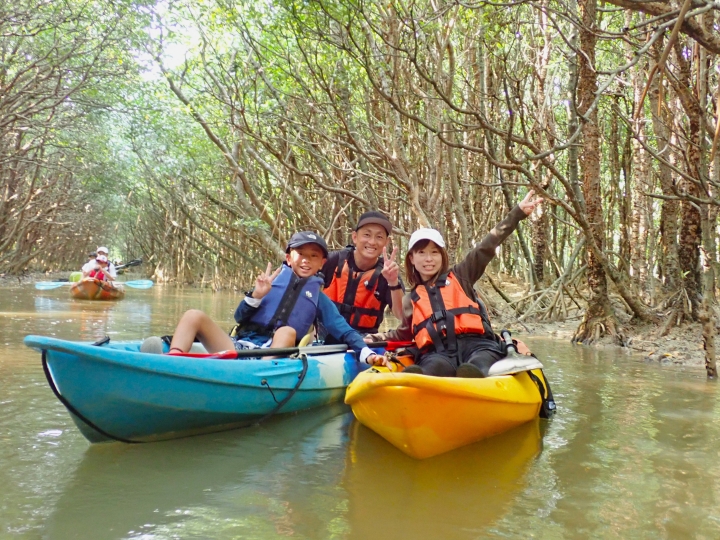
{"x": 93, "y": 264}
{"x": 442, "y": 313}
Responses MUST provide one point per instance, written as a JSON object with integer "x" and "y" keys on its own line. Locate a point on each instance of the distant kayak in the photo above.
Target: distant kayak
{"x": 94, "y": 289}
{"x": 116, "y": 393}
{"x": 425, "y": 416}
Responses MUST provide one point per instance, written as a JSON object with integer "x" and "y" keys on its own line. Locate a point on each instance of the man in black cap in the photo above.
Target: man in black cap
{"x": 277, "y": 312}
{"x": 361, "y": 279}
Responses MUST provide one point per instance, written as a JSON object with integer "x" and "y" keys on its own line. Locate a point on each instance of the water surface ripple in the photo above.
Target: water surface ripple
{"x": 631, "y": 454}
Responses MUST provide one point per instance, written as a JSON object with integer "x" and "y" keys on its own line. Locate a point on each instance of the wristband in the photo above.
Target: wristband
{"x": 253, "y": 302}
{"x": 396, "y": 287}
{"x": 365, "y": 353}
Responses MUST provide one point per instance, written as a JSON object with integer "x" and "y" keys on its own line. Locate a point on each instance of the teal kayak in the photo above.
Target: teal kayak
{"x": 113, "y": 392}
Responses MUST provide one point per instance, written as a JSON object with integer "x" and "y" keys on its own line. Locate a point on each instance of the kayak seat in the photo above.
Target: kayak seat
{"x": 307, "y": 338}
{"x": 513, "y": 364}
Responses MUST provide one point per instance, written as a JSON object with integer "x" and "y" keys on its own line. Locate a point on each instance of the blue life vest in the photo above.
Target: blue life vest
{"x": 292, "y": 301}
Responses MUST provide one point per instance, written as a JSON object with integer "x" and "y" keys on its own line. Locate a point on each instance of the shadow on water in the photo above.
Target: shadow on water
{"x": 453, "y": 495}
{"x": 226, "y": 485}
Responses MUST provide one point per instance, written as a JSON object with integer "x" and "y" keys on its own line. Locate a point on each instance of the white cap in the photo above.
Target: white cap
{"x": 426, "y": 234}
{"x": 103, "y": 249}
{"x": 101, "y": 258}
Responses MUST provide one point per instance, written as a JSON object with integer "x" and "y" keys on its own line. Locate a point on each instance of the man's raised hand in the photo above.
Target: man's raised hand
{"x": 391, "y": 270}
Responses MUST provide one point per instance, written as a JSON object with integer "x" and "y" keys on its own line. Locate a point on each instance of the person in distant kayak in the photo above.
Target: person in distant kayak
{"x": 100, "y": 271}
{"x": 93, "y": 264}
{"x": 279, "y": 310}
{"x": 442, "y": 312}
{"x": 361, "y": 279}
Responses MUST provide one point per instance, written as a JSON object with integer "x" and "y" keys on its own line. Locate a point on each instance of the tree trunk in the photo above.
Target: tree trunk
{"x": 599, "y": 318}
{"x": 670, "y": 211}
{"x": 690, "y": 224}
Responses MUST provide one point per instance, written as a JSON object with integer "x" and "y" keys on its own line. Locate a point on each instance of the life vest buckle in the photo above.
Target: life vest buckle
{"x": 438, "y": 316}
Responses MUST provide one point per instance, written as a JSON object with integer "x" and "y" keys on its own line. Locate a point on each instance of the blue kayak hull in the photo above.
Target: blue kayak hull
{"x": 115, "y": 392}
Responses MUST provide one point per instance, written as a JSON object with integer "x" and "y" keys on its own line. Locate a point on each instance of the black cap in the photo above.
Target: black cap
{"x": 92, "y": 254}
{"x": 377, "y": 218}
{"x": 306, "y": 237}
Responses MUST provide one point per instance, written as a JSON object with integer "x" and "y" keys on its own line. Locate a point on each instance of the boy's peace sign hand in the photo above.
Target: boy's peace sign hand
{"x": 391, "y": 270}
{"x": 263, "y": 283}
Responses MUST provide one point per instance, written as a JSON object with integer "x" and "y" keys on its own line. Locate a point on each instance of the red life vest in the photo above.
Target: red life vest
{"x": 97, "y": 274}
{"x": 443, "y": 311}
{"x": 356, "y": 294}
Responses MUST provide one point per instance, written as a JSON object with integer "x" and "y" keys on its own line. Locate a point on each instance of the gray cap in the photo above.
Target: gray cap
{"x": 378, "y": 218}
{"x": 306, "y": 237}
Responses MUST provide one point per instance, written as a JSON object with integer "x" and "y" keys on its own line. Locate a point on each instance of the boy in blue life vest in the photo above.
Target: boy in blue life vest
{"x": 279, "y": 310}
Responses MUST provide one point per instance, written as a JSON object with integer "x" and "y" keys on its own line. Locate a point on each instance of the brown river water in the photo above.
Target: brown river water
{"x": 632, "y": 453}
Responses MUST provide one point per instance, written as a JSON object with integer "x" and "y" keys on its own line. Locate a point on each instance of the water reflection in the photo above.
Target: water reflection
{"x": 454, "y": 495}
{"x": 632, "y": 453}
{"x": 261, "y": 482}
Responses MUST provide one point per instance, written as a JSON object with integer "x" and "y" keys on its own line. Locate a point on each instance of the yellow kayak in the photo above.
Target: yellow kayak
{"x": 425, "y": 416}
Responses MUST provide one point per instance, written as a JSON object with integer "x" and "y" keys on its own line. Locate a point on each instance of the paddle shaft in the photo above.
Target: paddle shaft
{"x": 390, "y": 345}
{"x": 287, "y": 351}
{"x": 134, "y": 262}
{"x": 511, "y": 347}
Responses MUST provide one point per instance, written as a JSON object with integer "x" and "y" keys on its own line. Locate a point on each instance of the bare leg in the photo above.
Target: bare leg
{"x": 195, "y": 323}
{"x": 284, "y": 336}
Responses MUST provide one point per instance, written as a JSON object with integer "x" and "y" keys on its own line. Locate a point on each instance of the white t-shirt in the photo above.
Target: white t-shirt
{"x": 91, "y": 265}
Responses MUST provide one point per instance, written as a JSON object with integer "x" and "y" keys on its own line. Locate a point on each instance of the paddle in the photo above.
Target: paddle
{"x": 135, "y": 284}
{"x": 134, "y": 262}
{"x": 287, "y": 351}
{"x": 390, "y": 345}
{"x": 548, "y": 407}
{"x": 512, "y": 351}
{"x": 284, "y": 351}
{"x": 45, "y": 285}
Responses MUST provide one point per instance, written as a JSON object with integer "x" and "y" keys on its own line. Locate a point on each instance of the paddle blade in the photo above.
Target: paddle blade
{"x": 47, "y": 285}
{"x": 138, "y": 283}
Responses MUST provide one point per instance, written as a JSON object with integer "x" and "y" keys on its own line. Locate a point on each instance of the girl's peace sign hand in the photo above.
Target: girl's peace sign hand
{"x": 527, "y": 205}
{"x": 391, "y": 270}
{"x": 263, "y": 283}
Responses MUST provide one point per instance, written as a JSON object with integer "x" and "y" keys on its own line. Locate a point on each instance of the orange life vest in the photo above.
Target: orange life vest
{"x": 356, "y": 294}
{"x": 443, "y": 311}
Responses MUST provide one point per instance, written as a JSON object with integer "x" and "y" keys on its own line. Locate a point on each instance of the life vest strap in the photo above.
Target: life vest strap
{"x": 347, "y": 309}
{"x": 351, "y": 313}
{"x": 441, "y": 315}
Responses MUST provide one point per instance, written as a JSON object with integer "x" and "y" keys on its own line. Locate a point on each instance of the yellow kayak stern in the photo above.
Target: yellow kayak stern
{"x": 425, "y": 416}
